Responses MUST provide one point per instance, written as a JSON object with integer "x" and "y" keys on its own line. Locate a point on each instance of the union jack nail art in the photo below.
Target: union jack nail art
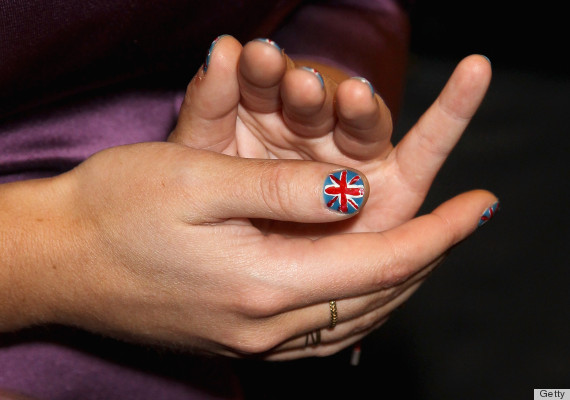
{"x": 344, "y": 191}
{"x": 488, "y": 214}
{"x": 317, "y": 74}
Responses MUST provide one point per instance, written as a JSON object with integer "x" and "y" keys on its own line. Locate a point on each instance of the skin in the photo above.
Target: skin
{"x": 261, "y": 105}
{"x": 169, "y": 243}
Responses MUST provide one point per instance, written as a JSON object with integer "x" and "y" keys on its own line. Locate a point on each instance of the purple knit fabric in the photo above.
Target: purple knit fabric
{"x": 77, "y": 77}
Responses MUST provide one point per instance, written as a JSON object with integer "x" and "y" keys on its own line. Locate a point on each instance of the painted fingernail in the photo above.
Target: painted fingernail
{"x": 344, "y": 191}
{"x": 367, "y": 82}
{"x": 486, "y": 58}
{"x": 210, "y": 50}
{"x": 488, "y": 214}
{"x": 317, "y": 74}
{"x": 269, "y": 41}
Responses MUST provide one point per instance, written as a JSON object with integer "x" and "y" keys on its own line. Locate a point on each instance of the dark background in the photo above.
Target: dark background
{"x": 494, "y": 321}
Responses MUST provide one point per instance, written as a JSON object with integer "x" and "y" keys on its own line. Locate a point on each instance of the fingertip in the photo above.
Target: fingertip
{"x": 493, "y": 206}
{"x": 229, "y": 44}
{"x": 269, "y": 42}
{"x": 366, "y": 190}
{"x": 367, "y": 83}
{"x": 477, "y": 68}
{"x": 486, "y": 58}
{"x": 262, "y": 63}
{"x": 302, "y": 94}
{"x": 356, "y": 98}
{"x": 217, "y": 76}
{"x": 316, "y": 74}
{"x": 468, "y": 211}
{"x": 466, "y": 88}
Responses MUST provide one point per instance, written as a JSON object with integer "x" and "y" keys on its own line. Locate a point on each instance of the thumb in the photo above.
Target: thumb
{"x": 285, "y": 190}
{"x": 207, "y": 118}
{"x": 380, "y": 260}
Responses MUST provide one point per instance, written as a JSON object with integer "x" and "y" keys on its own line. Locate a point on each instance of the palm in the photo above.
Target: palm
{"x": 392, "y": 200}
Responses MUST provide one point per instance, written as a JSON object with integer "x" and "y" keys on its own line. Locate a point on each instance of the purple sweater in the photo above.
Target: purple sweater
{"x": 79, "y": 77}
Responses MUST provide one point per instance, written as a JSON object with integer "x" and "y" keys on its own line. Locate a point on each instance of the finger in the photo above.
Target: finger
{"x": 308, "y": 102}
{"x": 360, "y": 271}
{"x": 285, "y": 190}
{"x": 261, "y": 68}
{"x": 207, "y": 117}
{"x": 364, "y": 121}
{"x": 383, "y": 301}
{"x": 350, "y": 265}
{"x": 356, "y": 315}
{"x": 324, "y": 349}
{"x": 423, "y": 150}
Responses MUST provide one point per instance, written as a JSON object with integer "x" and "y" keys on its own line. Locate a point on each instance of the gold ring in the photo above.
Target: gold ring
{"x": 334, "y": 315}
{"x": 313, "y": 338}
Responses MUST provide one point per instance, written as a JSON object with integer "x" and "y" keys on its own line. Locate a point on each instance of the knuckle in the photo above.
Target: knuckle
{"x": 390, "y": 270}
{"x": 389, "y": 276}
{"x": 400, "y": 263}
{"x": 449, "y": 234}
{"x": 258, "y": 330}
{"x": 254, "y": 338}
{"x": 275, "y": 189}
{"x": 367, "y": 322}
{"x": 252, "y": 343}
{"x": 259, "y": 303}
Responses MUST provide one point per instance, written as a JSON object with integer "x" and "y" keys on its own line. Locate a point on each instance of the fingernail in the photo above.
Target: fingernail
{"x": 488, "y": 214}
{"x": 269, "y": 41}
{"x": 344, "y": 191}
{"x": 486, "y": 58}
{"x": 210, "y": 50}
{"x": 317, "y": 74}
{"x": 364, "y": 80}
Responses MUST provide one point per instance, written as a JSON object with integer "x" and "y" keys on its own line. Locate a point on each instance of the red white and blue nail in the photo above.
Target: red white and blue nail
{"x": 268, "y": 41}
{"x": 210, "y": 51}
{"x": 317, "y": 74}
{"x": 489, "y": 214}
{"x": 344, "y": 191}
{"x": 366, "y": 82}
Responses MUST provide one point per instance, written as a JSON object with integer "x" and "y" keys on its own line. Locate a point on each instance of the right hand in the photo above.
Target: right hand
{"x": 154, "y": 244}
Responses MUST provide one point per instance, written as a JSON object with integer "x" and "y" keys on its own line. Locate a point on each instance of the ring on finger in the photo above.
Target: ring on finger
{"x": 334, "y": 314}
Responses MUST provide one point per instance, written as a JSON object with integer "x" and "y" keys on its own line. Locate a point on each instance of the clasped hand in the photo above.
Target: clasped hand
{"x": 239, "y": 253}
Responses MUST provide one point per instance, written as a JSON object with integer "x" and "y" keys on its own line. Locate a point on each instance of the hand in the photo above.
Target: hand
{"x": 255, "y": 103}
{"x": 152, "y": 242}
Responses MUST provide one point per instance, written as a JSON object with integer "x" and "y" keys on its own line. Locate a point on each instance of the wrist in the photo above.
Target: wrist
{"x": 36, "y": 246}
